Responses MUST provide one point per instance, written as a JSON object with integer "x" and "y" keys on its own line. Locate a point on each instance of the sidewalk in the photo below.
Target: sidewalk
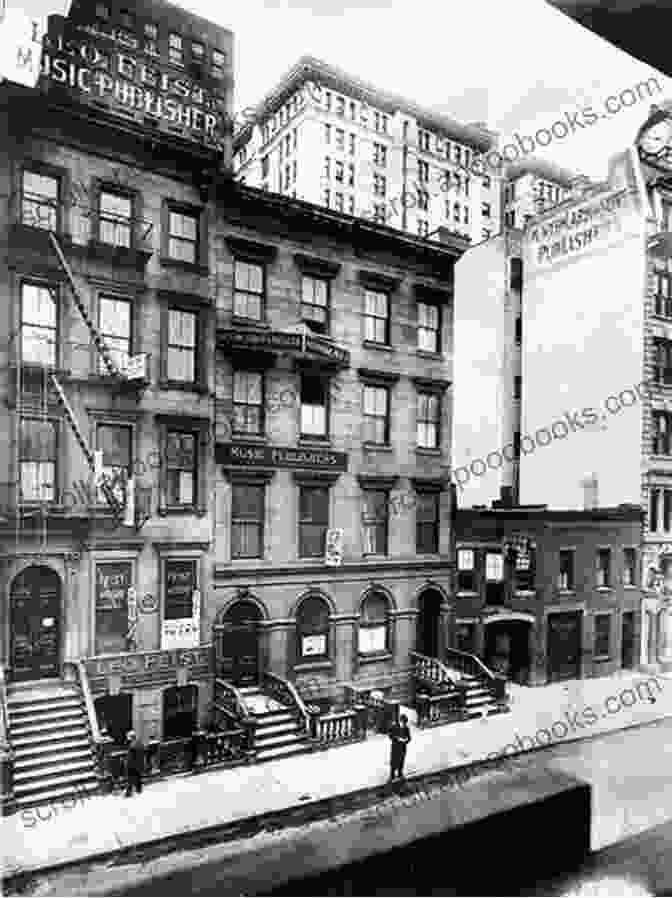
{"x": 176, "y": 806}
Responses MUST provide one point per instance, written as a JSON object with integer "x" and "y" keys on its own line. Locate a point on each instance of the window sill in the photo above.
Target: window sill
{"x": 384, "y": 347}
{"x": 250, "y": 322}
{"x": 377, "y": 447}
{"x": 371, "y": 658}
{"x": 165, "y": 384}
{"x": 181, "y": 510}
{"x": 193, "y": 267}
{"x": 425, "y": 450}
{"x": 308, "y": 666}
{"x": 433, "y": 356}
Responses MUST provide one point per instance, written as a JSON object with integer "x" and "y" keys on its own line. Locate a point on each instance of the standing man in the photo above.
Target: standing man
{"x": 135, "y": 764}
{"x": 400, "y": 736}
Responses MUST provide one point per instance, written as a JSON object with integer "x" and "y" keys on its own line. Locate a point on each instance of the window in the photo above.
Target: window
{"x": 326, "y": 197}
{"x": 667, "y": 511}
{"x": 114, "y": 324}
{"x": 151, "y": 33}
{"x": 465, "y": 215}
{"x": 327, "y": 100}
{"x": 115, "y": 441}
{"x": 423, "y": 227}
{"x": 662, "y": 361}
{"x": 519, "y": 330}
{"x": 494, "y": 567}
{"x": 197, "y": 53}
{"x": 340, "y": 106}
{"x": 379, "y": 154}
{"x": 566, "y": 575}
{"x": 423, "y": 171}
{"x": 654, "y": 497}
{"x": 466, "y": 570}
{"x": 663, "y": 288}
{"x": 175, "y": 50}
{"x": 315, "y": 303}
{"x": 429, "y": 421}
{"x": 376, "y": 415}
{"x": 379, "y": 185}
{"x": 112, "y": 584}
{"x": 377, "y": 317}
{"x": 351, "y": 175}
{"x": 525, "y": 570}
{"x": 629, "y": 567}
{"x": 375, "y": 520}
{"x": 602, "y": 647}
{"x": 181, "y": 468}
{"x": 40, "y": 201}
{"x": 247, "y": 520}
{"x": 486, "y": 182}
{"x": 467, "y": 181}
{"x": 248, "y": 291}
{"x": 218, "y": 64}
{"x": 662, "y": 430}
{"x": 248, "y": 402}
{"x": 313, "y": 520}
{"x": 115, "y": 218}
{"x": 288, "y": 177}
{"x": 37, "y": 460}
{"x": 339, "y": 172}
{"x": 312, "y": 624}
{"x": 379, "y": 213}
{"x": 314, "y": 409}
{"x": 458, "y": 155}
{"x": 456, "y": 212}
{"x": 182, "y": 343}
{"x": 182, "y": 236}
{"x": 180, "y": 583}
{"x": 295, "y": 141}
{"x": 423, "y": 140}
{"x": 327, "y": 167}
{"x": 353, "y": 111}
{"x": 603, "y": 568}
{"x": 373, "y": 625}
{"x": 327, "y": 134}
{"x": 486, "y": 210}
{"x": 352, "y": 144}
{"x": 39, "y": 309}
{"x": 486, "y": 234}
{"x": 423, "y": 200}
{"x": 339, "y": 202}
{"x": 427, "y": 510}
{"x": 351, "y": 205}
{"x": 340, "y": 139}
{"x": 517, "y": 386}
{"x": 465, "y": 637}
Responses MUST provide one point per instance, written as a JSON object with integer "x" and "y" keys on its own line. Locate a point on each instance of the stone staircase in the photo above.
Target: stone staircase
{"x": 279, "y": 730}
{"x": 49, "y": 734}
{"x": 479, "y": 699}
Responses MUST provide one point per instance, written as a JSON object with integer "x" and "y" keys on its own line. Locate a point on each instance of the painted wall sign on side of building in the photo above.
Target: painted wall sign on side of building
{"x": 132, "y": 85}
{"x": 143, "y": 663}
{"x": 251, "y": 455}
{"x": 582, "y": 227}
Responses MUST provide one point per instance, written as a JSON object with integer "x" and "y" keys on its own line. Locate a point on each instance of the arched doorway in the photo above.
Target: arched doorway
{"x": 429, "y": 622}
{"x": 35, "y": 623}
{"x": 237, "y": 644}
{"x": 507, "y": 649}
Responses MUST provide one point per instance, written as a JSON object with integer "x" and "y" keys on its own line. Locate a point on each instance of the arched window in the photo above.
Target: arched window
{"x": 374, "y": 625}
{"x": 312, "y": 620}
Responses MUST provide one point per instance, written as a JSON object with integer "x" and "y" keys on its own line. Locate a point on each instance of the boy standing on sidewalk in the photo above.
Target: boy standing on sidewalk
{"x": 135, "y": 764}
{"x": 400, "y": 735}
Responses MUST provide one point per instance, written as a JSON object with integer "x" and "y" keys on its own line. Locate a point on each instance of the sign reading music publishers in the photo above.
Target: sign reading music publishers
{"x": 251, "y": 455}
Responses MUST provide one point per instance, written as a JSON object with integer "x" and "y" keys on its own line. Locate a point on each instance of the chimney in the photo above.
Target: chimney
{"x": 590, "y": 495}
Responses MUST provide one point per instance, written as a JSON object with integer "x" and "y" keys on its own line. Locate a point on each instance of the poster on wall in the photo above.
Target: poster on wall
{"x": 179, "y": 634}
{"x": 180, "y": 627}
{"x": 113, "y": 585}
{"x": 314, "y": 645}
{"x": 333, "y": 555}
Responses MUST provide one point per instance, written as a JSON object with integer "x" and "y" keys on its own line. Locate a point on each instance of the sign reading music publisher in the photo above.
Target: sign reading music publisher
{"x": 251, "y": 455}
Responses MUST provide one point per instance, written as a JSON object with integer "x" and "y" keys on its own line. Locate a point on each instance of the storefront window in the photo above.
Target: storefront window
{"x": 373, "y": 625}
{"x": 113, "y": 581}
{"x": 115, "y": 715}
{"x": 180, "y": 712}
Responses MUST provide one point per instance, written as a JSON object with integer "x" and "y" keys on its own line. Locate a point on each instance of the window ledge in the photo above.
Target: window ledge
{"x": 370, "y": 658}
{"x": 193, "y": 267}
{"x": 181, "y": 510}
{"x": 165, "y": 384}
{"x": 377, "y": 447}
{"x": 425, "y": 450}
{"x": 384, "y": 347}
{"x": 307, "y": 666}
{"x": 425, "y": 354}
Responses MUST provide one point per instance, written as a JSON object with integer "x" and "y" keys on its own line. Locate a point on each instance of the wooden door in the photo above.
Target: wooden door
{"x": 238, "y": 644}
{"x": 35, "y": 624}
{"x": 628, "y": 640}
{"x": 564, "y": 646}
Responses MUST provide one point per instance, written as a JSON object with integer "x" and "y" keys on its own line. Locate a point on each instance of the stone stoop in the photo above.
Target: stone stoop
{"x": 277, "y": 733}
{"x": 49, "y": 734}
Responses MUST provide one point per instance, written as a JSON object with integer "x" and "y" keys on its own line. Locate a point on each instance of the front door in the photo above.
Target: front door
{"x": 238, "y": 644}
{"x": 429, "y": 622}
{"x": 628, "y": 640}
{"x": 564, "y": 646}
{"x": 35, "y": 601}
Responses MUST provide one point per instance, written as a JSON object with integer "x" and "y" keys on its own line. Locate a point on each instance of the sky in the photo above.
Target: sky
{"x": 517, "y": 65}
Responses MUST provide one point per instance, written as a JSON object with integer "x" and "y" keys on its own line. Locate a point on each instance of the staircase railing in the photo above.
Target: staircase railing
{"x": 471, "y": 665}
{"x": 348, "y": 725}
{"x": 432, "y": 670}
{"x": 287, "y": 694}
{"x": 229, "y": 701}
{"x": 6, "y": 753}
{"x": 102, "y": 744}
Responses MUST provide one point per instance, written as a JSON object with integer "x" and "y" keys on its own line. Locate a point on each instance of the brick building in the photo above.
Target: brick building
{"x": 544, "y": 594}
{"x": 108, "y": 373}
